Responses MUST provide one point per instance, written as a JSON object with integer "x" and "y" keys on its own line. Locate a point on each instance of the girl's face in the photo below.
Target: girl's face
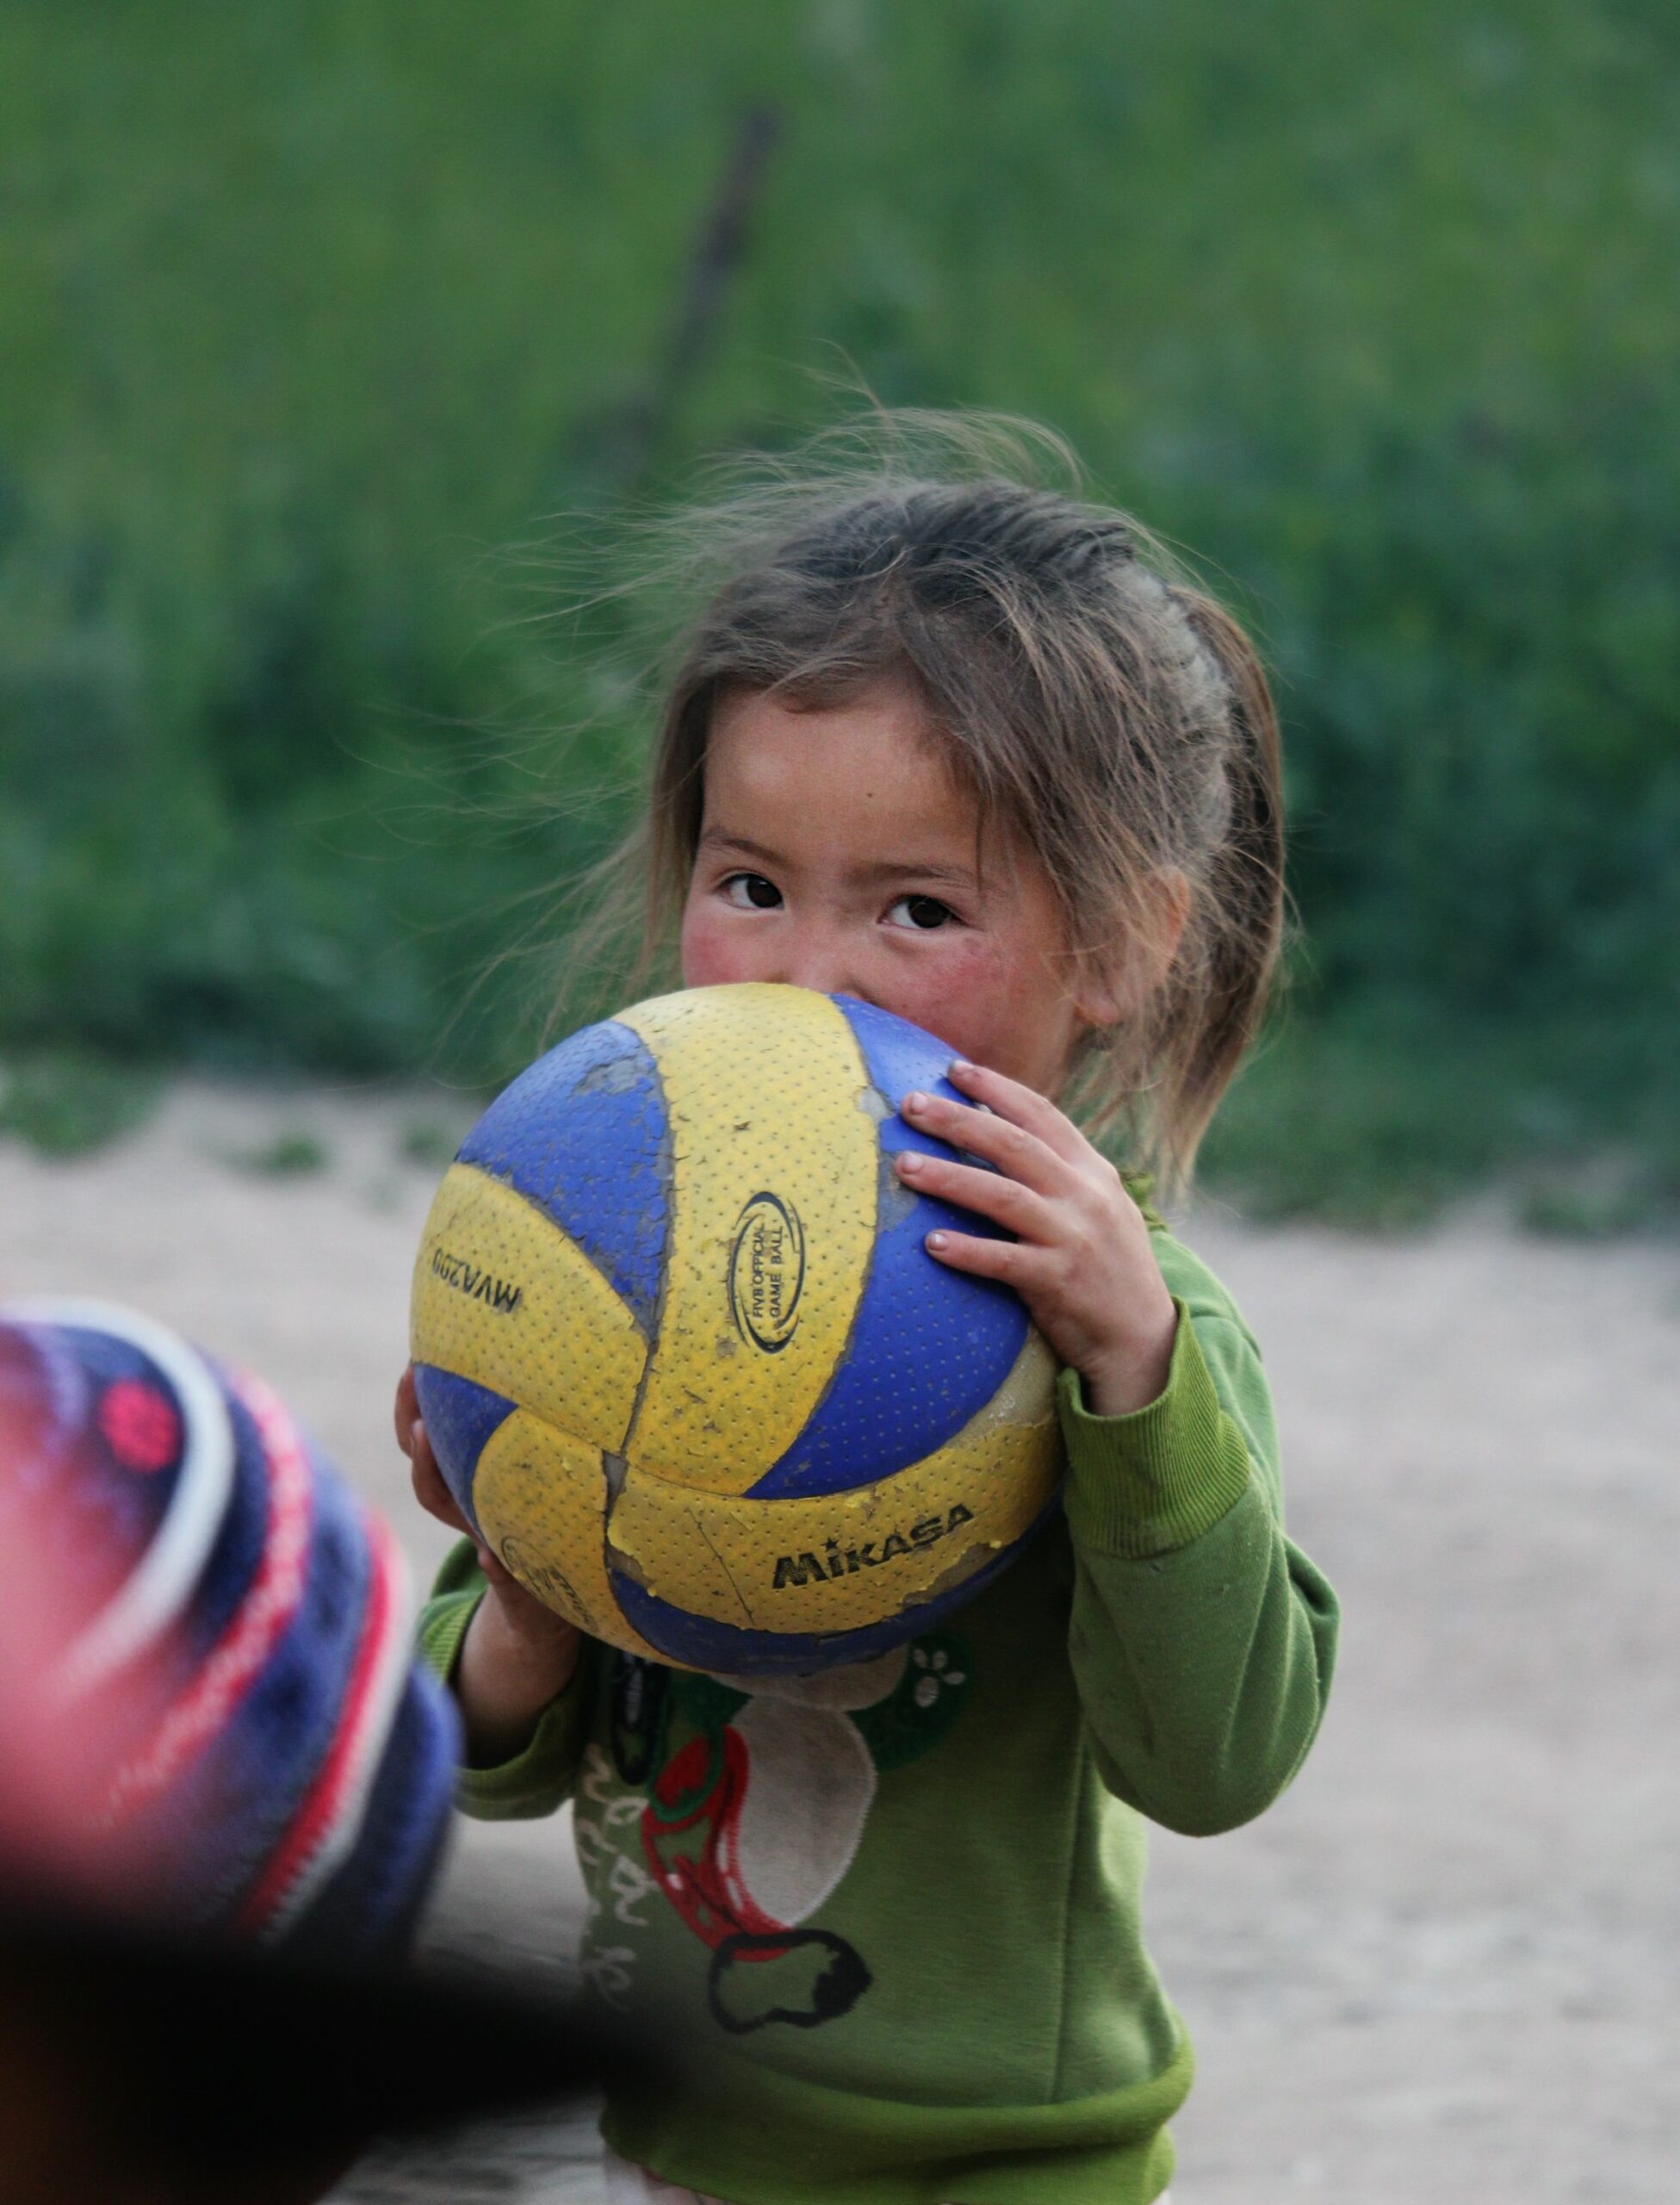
{"x": 836, "y": 853}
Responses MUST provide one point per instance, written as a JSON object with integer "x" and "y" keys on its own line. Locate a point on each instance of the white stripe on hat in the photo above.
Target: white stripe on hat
{"x": 158, "y": 1587}
{"x": 325, "y": 1830}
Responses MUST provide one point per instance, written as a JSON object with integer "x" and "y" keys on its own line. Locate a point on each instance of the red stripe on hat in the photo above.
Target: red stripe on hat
{"x": 326, "y": 1823}
{"x": 253, "y": 1631}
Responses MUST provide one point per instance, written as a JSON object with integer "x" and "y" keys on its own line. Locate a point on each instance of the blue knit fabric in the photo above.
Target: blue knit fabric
{"x": 313, "y": 1803}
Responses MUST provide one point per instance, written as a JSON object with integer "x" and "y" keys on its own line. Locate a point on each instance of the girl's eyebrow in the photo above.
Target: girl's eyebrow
{"x": 879, "y": 869}
{"x": 950, "y": 876}
{"x": 714, "y": 838}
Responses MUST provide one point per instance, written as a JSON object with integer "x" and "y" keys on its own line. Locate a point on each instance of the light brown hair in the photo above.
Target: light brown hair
{"x": 1109, "y": 717}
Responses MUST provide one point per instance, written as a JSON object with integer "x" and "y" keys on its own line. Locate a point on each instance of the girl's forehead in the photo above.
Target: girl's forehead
{"x": 872, "y": 757}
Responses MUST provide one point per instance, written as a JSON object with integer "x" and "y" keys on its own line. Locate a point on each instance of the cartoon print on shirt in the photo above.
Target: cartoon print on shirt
{"x": 603, "y": 1806}
{"x": 755, "y": 1794}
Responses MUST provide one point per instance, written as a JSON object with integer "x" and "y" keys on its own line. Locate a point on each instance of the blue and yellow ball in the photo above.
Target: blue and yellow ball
{"x": 685, "y": 1362}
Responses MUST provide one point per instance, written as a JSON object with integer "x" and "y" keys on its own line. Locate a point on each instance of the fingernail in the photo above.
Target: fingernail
{"x": 961, "y": 1065}
{"x": 911, "y": 1162}
{"x": 936, "y": 1240}
{"x": 916, "y": 1100}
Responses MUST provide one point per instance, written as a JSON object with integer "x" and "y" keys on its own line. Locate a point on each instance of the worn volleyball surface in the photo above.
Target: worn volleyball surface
{"x": 685, "y": 1359}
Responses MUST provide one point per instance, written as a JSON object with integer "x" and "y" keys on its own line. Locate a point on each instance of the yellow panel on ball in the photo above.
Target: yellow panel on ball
{"x": 504, "y": 1297}
{"x": 766, "y": 1260}
{"x": 836, "y": 1562}
{"x": 539, "y": 1494}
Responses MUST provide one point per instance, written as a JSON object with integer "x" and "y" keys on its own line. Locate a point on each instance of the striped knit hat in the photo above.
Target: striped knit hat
{"x": 220, "y": 1643}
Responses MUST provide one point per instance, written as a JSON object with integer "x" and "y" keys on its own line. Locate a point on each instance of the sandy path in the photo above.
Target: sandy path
{"x": 1444, "y": 1966}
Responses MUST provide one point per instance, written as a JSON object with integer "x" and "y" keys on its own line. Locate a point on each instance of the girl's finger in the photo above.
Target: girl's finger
{"x": 497, "y": 1574}
{"x": 434, "y": 1495}
{"x": 1016, "y": 1152}
{"x": 406, "y": 1409}
{"x": 1012, "y": 1261}
{"x": 430, "y": 1490}
{"x": 1022, "y": 1106}
{"x": 1008, "y": 1202}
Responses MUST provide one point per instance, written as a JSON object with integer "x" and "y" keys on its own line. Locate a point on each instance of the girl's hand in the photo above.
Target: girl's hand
{"x": 517, "y": 1655}
{"x": 1081, "y": 1260}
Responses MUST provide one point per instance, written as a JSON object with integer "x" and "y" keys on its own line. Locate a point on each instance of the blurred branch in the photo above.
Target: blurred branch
{"x": 717, "y": 252}
{"x": 623, "y": 443}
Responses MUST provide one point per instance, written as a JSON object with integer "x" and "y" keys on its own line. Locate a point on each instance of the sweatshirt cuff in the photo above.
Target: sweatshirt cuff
{"x": 443, "y": 1626}
{"x": 537, "y": 1779}
{"x": 1147, "y": 1483}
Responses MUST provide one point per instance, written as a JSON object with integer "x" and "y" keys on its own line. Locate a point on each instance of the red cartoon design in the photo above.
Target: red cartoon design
{"x": 756, "y": 1807}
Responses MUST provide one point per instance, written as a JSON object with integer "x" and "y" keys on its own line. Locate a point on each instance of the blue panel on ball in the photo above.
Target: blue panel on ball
{"x": 724, "y": 1649}
{"x": 460, "y": 1418}
{"x": 929, "y": 1346}
{"x": 583, "y": 1135}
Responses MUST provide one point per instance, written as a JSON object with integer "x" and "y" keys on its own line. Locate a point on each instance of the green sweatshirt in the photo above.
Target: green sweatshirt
{"x": 889, "y": 1916}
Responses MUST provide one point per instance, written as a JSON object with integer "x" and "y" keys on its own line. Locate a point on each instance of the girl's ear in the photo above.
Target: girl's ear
{"x": 1116, "y": 983}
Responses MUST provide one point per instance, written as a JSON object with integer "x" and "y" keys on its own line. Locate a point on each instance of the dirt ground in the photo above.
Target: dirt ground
{"x": 1444, "y": 1966}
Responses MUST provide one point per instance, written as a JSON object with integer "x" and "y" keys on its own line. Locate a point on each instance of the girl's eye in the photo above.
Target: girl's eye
{"x": 922, "y": 912}
{"x": 751, "y": 891}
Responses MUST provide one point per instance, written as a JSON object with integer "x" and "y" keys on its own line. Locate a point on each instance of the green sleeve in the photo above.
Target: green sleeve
{"x": 540, "y": 1778}
{"x": 1202, "y": 1641}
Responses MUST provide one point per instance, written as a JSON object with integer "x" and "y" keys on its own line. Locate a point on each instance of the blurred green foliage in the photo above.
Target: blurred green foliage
{"x": 288, "y": 1156}
{"x": 307, "y": 312}
{"x": 65, "y": 1102}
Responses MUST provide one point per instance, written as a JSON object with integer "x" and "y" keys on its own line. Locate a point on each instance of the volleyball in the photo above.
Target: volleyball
{"x": 686, "y": 1363}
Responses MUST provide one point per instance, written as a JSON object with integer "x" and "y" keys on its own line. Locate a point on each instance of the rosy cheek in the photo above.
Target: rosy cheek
{"x": 960, "y": 1000}
{"x": 715, "y": 953}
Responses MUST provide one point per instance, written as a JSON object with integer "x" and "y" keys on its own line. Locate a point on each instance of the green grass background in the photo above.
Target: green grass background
{"x": 309, "y": 312}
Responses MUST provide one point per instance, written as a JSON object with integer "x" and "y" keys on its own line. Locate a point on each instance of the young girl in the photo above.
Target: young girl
{"x": 967, "y": 750}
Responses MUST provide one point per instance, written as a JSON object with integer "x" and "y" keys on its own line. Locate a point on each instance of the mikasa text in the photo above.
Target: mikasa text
{"x": 801, "y": 1569}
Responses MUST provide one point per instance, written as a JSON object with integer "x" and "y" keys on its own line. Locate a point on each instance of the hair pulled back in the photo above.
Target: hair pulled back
{"x": 1110, "y": 719}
